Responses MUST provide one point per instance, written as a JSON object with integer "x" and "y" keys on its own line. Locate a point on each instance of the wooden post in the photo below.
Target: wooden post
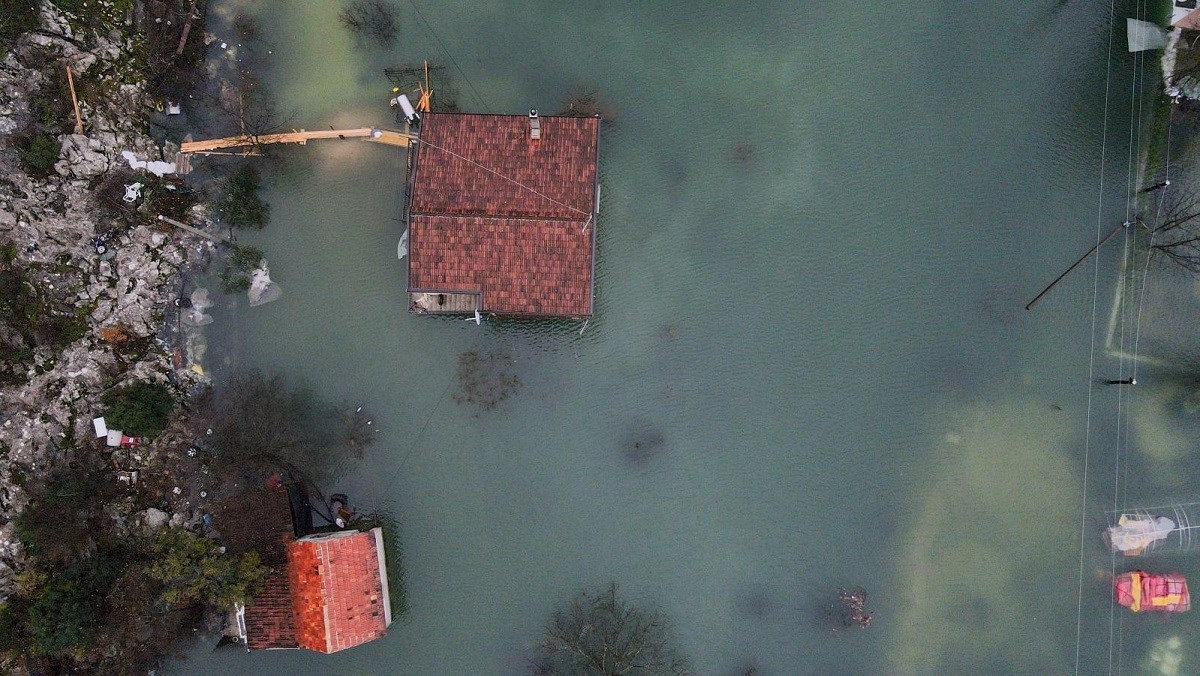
{"x": 187, "y": 28}
{"x": 1082, "y": 258}
{"x": 188, "y": 228}
{"x": 74, "y": 101}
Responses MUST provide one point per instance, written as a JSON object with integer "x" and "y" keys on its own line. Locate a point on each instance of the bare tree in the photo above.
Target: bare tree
{"x": 601, "y": 634}
{"x": 1174, "y": 225}
{"x": 375, "y": 19}
{"x": 356, "y": 429}
{"x": 849, "y": 610}
{"x": 486, "y": 380}
{"x": 254, "y": 420}
{"x": 248, "y": 107}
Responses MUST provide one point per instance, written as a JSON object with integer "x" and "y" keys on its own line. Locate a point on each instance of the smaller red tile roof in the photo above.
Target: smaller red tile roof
{"x": 337, "y": 591}
{"x": 269, "y": 618}
{"x": 261, "y": 521}
{"x": 1189, "y": 22}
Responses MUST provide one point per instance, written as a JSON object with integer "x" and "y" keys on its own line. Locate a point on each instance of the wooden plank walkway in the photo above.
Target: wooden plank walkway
{"x": 188, "y": 228}
{"x": 385, "y": 136}
{"x": 451, "y": 303}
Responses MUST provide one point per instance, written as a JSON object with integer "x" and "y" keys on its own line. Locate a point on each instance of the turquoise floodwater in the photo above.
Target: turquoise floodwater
{"x": 820, "y": 224}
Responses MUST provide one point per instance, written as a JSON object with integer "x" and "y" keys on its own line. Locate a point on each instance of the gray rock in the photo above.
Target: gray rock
{"x": 78, "y": 158}
{"x": 154, "y": 518}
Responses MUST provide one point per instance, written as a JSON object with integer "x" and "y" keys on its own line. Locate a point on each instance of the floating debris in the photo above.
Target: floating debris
{"x": 849, "y": 609}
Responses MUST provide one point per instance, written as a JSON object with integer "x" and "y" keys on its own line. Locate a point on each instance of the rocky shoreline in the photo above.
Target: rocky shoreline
{"x": 120, "y": 273}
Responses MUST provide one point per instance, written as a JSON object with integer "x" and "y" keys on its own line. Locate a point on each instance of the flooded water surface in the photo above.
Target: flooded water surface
{"x": 809, "y": 366}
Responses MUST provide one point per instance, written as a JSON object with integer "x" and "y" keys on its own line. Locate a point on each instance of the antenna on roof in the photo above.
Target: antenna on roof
{"x": 535, "y": 125}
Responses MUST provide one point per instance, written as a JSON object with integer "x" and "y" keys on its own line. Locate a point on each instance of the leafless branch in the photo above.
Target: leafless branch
{"x": 1174, "y": 222}
{"x": 601, "y": 634}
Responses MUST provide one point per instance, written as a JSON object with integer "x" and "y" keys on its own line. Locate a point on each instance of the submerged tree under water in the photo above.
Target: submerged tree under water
{"x": 849, "y": 609}
{"x": 642, "y": 443}
{"x": 486, "y": 379}
{"x": 599, "y": 633}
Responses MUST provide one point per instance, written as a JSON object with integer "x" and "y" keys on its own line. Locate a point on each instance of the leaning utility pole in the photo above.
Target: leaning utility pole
{"x": 1079, "y": 262}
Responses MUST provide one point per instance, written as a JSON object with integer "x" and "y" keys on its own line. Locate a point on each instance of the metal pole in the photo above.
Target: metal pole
{"x": 1079, "y": 262}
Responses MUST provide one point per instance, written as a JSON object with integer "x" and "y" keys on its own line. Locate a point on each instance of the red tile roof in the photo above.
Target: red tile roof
{"x": 1189, "y": 22}
{"x": 269, "y": 619}
{"x": 487, "y": 165}
{"x": 337, "y": 591}
{"x": 497, "y": 213}
{"x": 519, "y": 266}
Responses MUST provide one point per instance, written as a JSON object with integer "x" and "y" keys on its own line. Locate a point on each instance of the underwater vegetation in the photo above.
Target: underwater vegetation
{"x": 641, "y": 443}
{"x": 486, "y": 379}
{"x": 743, "y": 152}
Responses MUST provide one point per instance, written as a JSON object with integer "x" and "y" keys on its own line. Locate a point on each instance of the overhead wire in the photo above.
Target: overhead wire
{"x": 442, "y": 45}
{"x": 1092, "y": 349}
{"x": 507, "y": 178}
{"x": 1121, "y": 463}
{"x": 1132, "y": 184}
{"x": 1150, "y": 248}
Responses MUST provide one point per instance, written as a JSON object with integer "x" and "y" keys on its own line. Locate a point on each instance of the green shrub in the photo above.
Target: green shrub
{"x": 194, "y": 570}
{"x": 12, "y": 637}
{"x": 61, "y": 516}
{"x": 17, "y": 17}
{"x": 41, "y": 153}
{"x": 241, "y": 205}
{"x": 64, "y": 614}
{"x": 242, "y": 260}
{"x": 141, "y": 409}
{"x": 61, "y": 618}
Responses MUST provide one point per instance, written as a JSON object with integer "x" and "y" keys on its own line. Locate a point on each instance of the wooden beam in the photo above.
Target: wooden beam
{"x": 387, "y": 137}
{"x": 185, "y": 226}
{"x": 74, "y": 101}
{"x": 1076, "y": 264}
{"x": 187, "y": 28}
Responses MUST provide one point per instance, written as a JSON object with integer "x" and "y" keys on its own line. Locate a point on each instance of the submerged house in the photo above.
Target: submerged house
{"x": 324, "y": 592}
{"x": 501, "y": 215}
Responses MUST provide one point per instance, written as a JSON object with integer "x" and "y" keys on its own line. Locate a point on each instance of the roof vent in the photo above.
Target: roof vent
{"x": 535, "y": 125}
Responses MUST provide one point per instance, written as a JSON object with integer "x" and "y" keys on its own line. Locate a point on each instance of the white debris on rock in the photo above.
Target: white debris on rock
{"x": 195, "y": 316}
{"x": 154, "y": 518}
{"x": 156, "y": 167}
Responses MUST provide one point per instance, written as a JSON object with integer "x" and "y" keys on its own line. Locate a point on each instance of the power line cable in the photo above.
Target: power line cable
{"x": 1092, "y": 350}
{"x": 1132, "y": 181}
{"x": 507, "y": 178}
{"x": 449, "y": 56}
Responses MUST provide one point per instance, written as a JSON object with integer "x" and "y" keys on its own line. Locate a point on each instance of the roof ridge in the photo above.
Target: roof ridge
{"x": 480, "y": 214}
